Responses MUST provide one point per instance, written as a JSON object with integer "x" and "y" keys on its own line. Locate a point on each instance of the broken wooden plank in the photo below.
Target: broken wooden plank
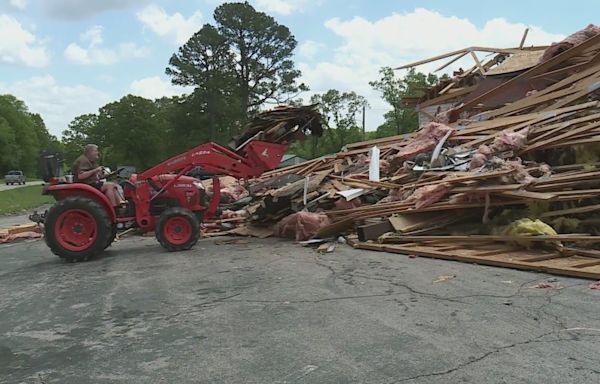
{"x": 577, "y": 266}
{"x": 373, "y": 231}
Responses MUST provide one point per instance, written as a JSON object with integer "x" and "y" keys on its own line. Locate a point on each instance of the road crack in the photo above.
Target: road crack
{"x": 465, "y": 364}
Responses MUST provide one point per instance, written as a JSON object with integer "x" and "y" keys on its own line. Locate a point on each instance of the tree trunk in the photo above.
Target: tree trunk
{"x": 397, "y": 118}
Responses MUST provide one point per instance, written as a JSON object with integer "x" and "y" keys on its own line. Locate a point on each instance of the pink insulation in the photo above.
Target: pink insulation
{"x": 510, "y": 141}
{"x": 520, "y": 175}
{"x": 595, "y": 285}
{"x": 231, "y": 189}
{"x": 301, "y": 225}
{"x": 342, "y": 203}
{"x": 480, "y": 157}
{"x": 477, "y": 161}
{"x": 229, "y": 214}
{"x": 484, "y": 150}
{"x": 7, "y": 238}
{"x": 233, "y": 193}
{"x": 397, "y": 194}
{"x": 424, "y": 140}
{"x": 506, "y": 140}
{"x": 429, "y": 194}
{"x": 569, "y": 42}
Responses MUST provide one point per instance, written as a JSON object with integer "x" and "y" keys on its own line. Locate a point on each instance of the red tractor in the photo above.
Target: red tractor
{"x": 82, "y": 222}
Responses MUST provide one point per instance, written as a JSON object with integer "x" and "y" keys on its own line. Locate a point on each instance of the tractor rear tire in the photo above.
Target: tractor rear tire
{"x": 177, "y": 229}
{"x": 77, "y": 228}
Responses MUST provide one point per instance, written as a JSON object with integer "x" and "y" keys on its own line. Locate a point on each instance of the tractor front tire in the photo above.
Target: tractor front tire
{"x": 77, "y": 228}
{"x": 177, "y": 229}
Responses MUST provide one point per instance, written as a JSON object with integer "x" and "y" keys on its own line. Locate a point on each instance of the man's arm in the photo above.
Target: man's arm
{"x": 84, "y": 175}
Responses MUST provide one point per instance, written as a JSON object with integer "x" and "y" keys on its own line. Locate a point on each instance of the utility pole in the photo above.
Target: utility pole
{"x": 363, "y": 122}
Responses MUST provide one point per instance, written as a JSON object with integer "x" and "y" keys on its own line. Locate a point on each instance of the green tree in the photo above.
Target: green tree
{"x": 130, "y": 131}
{"x": 45, "y": 139}
{"x": 341, "y": 111}
{"x": 19, "y": 135}
{"x": 402, "y": 118}
{"x": 81, "y": 131}
{"x": 207, "y": 63}
{"x": 263, "y": 50}
{"x": 246, "y": 56}
{"x": 9, "y": 149}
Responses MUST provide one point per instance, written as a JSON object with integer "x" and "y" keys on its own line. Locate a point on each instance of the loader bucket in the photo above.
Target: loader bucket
{"x": 265, "y": 155}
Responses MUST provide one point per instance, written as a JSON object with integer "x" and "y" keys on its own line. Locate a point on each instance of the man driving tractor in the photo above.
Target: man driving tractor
{"x": 164, "y": 199}
{"x": 85, "y": 171}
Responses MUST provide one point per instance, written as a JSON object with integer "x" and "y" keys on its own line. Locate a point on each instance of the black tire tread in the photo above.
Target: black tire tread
{"x": 177, "y": 211}
{"x": 112, "y": 236}
{"x": 97, "y": 210}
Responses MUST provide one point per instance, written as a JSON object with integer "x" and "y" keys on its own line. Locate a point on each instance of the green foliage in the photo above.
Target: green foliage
{"x": 235, "y": 66}
{"x": 81, "y": 131}
{"x": 340, "y": 110}
{"x": 22, "y": 136}
{"x": 18, "y": 199}
{"x": 401, "y": 119}
{"x": 130, "y": 131}
{"x": 207, "y": 63}
{"x": 243, "y": 61}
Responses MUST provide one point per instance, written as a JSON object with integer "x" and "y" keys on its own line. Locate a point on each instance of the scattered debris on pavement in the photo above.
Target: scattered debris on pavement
{"x": 595, "y": 285}
{"x": 20, "y": 232}
{"x": 443, "y": 278}
{"x": 507, "y": 175}
{"x": 548, "y": 284}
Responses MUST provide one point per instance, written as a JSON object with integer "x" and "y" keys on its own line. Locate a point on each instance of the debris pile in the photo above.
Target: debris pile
{"x": 283, "y": 124}
{"x": 510, "y": 176}
{"x": 20, "y": 232}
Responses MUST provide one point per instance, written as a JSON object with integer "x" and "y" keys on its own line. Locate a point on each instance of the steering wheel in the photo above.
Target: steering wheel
{"x": 113, "y": 173}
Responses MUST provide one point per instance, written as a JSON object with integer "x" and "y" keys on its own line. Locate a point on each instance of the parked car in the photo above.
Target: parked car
{"x": 14, "y": 177}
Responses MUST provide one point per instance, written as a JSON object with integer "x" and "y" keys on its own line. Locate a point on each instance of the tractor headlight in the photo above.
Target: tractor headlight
{"x": 199, "y": 185}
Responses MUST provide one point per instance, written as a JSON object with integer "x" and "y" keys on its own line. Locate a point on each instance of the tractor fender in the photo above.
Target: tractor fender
{"x": 63, "y": 191}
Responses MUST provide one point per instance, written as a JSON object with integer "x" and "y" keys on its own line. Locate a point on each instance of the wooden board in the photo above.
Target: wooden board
{"x": 16, "y": 229}
{"x": 499, "y": 255}
{"x": 373, "y": 231}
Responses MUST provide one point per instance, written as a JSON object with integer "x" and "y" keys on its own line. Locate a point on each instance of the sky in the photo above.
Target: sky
{"x": 65, "y": 58}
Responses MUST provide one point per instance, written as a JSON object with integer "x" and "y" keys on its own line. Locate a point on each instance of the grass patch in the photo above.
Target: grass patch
{"x": 27, "y": 179}
{"x": 18, "y": 199}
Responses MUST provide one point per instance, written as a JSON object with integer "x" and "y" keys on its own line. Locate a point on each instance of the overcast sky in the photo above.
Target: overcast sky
{"x": 69, "y": 57}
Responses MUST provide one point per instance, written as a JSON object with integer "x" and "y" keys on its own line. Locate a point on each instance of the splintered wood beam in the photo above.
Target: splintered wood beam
{"x": 560, "y": 137}
{"x": 571, "y": 211}
{"x": 478, "y": 63}
{"x": 435, "y": 58}
{"x": 540, "y": 68}
{"x": 458, "y": 57}
{"x": 465, "y": 51}
{"x": 523, "y": 38}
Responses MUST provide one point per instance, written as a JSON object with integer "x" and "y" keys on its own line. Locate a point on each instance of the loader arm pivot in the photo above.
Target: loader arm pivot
{"x": 250, "y": 161}
{"x": 254, "y": 159}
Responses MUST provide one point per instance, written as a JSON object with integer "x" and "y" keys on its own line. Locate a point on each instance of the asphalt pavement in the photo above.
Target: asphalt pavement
{"x": 270, "y": 311}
